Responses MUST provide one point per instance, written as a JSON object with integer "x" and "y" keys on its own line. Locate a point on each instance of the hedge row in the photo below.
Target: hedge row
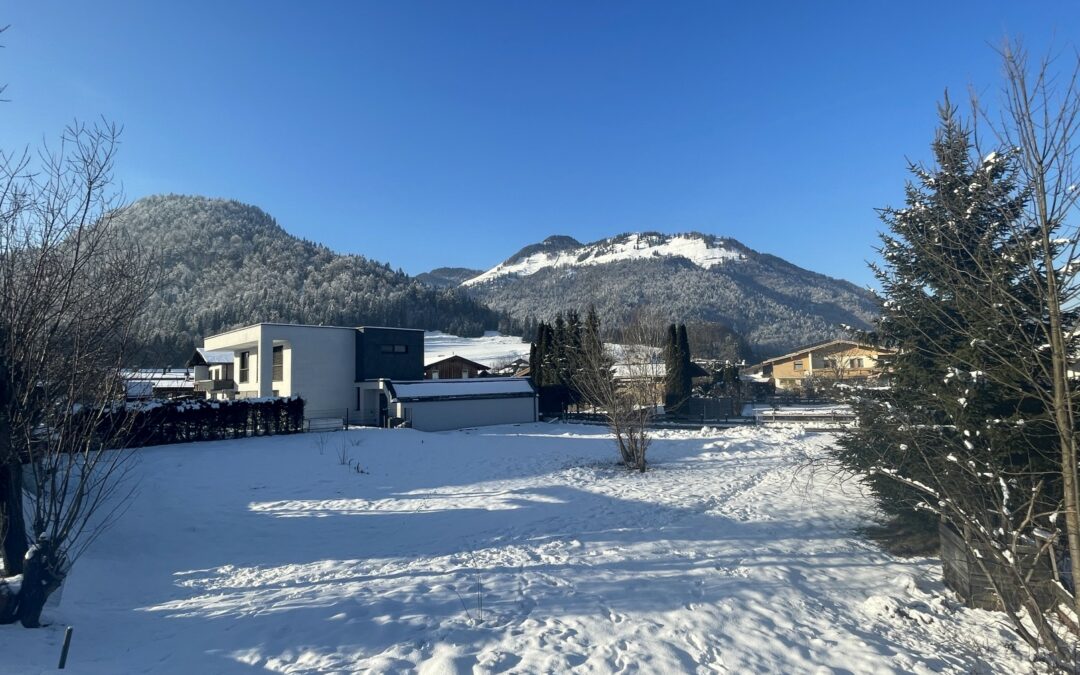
{"x": 163, "y": 422}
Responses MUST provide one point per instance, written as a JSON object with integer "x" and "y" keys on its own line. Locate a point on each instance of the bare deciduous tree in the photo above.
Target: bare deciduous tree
{"x": 72, "y": 290}
{"x": 625, "y": 383}
{"x": 1040, "y": 123}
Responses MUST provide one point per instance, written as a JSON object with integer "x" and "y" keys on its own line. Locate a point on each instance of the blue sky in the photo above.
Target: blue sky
{"x": 453, "y": 133}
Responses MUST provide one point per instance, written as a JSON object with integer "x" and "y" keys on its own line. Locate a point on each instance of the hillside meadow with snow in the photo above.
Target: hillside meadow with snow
{"x": 492, "y": 349}
{"x": 503, "y": 549}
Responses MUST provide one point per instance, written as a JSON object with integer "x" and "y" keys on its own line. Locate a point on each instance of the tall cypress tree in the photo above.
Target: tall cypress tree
{"x": 592, "y": 347}
{"x": 560, "y": 351}
{"x": 685, "y": 383}
{"x": 573, "y": 353}
{"x": 539, "y": 358}
{"x": 672, "y": 366}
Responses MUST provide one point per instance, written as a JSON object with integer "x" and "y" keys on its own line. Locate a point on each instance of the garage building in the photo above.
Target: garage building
{"x": 439, "y": 405}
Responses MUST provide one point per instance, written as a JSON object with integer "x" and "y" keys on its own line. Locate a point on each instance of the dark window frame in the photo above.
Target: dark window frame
{"x": 278, "y": 355}
{"x": 245, "y": 362}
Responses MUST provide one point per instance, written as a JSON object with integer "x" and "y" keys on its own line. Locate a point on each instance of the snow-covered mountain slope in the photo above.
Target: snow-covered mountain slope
{"x": 693, "y": 278}
{"x": 702, "y": 250}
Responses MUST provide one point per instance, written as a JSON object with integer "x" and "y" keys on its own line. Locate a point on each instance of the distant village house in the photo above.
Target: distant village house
{"x": 454, "y": 368}
{"x": 833, "y": 361}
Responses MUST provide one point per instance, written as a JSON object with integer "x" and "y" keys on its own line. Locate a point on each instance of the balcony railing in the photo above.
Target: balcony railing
{"x": 843, "y": 374}
{"x": 215, "y": 385}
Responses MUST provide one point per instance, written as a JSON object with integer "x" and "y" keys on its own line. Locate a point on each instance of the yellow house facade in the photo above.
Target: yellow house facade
{"x": 833, "y": 361}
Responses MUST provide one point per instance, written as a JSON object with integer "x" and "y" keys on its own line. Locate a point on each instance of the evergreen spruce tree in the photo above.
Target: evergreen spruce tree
{"x": 956, "y": 412}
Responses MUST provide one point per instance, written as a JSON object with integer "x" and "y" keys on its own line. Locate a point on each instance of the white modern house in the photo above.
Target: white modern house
{"x": 361, "y": 375}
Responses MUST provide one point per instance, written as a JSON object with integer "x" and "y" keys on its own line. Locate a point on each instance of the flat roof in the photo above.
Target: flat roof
{"x": 488, "y": 387}
{"x": 304, "y": 325}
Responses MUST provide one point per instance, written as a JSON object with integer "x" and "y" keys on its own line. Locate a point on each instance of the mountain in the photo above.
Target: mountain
{"x": 447, "y": 277}
{"x": 227, "y": 264}
{"x": 693, "y": 277}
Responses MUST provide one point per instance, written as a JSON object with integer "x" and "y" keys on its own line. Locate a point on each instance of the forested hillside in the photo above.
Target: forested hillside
{"x": 228, "y": 264}
{"x": 445, "y": 277}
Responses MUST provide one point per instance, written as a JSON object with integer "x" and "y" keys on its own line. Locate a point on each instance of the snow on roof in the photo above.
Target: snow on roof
{"x": 490, "y": 387}
{"x": 657, "y": 370}
{"x": 636, "y": 370}
{"x": 158, "y": 375}
{"x": 215, "y": 356}
{"x": 139, "y": 389}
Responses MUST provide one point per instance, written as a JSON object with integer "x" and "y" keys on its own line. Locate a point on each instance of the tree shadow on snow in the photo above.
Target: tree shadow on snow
{"x": 368, "y": 582}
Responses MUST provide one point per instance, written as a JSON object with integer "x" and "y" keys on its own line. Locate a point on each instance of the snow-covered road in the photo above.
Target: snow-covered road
{"x": 269, "y": 555}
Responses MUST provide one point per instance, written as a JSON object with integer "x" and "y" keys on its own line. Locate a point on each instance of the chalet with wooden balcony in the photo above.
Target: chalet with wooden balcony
{"x": 832, "y": 361}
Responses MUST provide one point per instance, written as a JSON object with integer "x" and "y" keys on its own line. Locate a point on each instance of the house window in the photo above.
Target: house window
{"x": 279, "y": 364}
{"x": 798, "y": 365}
{"x": 244, "y": 366}
{"x": 394, "y": 349}
{"x": 855, "y": 363}
{"x": 830, "y": 363}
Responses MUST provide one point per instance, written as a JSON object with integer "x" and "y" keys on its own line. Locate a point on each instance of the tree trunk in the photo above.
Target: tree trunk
{"x": 12, "y": 521}
{"x": 39, "y": 582}
{"x": 9, "y": 605}
{"x": 1062, "y": 400}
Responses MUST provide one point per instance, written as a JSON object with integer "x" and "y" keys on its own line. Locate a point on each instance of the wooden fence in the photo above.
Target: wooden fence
{"x": 963, "y": 574}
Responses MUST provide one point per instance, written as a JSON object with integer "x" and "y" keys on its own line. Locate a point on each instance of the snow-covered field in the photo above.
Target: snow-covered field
{"x": 269, "y": 555}
{"x": 491, "y": 350}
